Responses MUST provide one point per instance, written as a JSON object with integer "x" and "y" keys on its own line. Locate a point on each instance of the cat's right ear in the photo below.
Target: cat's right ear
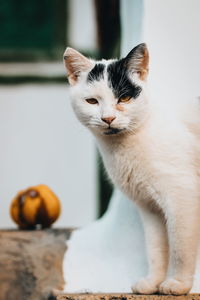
{"x": 75, "y": 63}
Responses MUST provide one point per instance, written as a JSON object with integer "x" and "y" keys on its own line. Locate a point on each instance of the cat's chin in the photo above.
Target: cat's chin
{"x": 111, "y": 131}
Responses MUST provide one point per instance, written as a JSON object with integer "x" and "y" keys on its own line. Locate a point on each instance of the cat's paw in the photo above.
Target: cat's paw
{"x": 145, "y": 286}
{"x": 175, "y": 287}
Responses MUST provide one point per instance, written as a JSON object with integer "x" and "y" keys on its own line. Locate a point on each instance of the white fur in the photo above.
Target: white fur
{"x": 109, "y": 255}
{"x": 155, "y": 162}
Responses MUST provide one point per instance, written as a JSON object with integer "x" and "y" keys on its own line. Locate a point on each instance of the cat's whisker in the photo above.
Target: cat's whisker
{"x": 96, "y": 123}
{"x": 123, "y": 92}
{"x": 122, "y": 79}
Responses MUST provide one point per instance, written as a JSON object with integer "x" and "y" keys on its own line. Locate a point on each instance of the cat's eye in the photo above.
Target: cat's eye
{"x": 124, "y": 99}
{"x": 91, "y": 100}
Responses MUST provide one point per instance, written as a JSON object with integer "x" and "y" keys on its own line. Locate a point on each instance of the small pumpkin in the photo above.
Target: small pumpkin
{"x": 34, "y": 206}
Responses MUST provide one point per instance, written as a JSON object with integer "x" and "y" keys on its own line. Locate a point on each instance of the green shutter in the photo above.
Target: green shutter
{"x": 32, "y": 29}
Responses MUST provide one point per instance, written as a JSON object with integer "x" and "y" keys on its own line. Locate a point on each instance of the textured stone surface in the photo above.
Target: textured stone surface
{"x": 31, "y": 263}
{"x": 125, "y": 297}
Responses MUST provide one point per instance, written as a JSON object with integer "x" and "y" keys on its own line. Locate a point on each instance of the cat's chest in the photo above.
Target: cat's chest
{"x": 128, "y": 169}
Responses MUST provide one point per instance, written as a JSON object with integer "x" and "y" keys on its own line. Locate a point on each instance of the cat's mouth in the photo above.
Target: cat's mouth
{"x": 111, "y": 130}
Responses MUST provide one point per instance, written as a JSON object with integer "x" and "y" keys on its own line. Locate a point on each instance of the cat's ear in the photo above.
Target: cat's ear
{"x": 137, "y": 61}
{"x": 75, "y": 63}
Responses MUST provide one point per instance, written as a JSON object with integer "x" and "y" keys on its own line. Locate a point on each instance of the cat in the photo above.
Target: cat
{"x": 151, "y": 156}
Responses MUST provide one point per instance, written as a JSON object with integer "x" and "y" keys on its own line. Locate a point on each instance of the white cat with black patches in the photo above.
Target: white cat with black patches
{"x": 151, "y": 156}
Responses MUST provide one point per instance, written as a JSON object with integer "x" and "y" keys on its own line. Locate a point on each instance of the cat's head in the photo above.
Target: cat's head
{"x": 108, "y": 96}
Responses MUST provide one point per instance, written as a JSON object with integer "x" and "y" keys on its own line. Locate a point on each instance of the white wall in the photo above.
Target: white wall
{"x": 82, "y": 25}
{"x": 171, "y": 30}
{"x": 131, "y": 13}
{"x": 42, "y": 142}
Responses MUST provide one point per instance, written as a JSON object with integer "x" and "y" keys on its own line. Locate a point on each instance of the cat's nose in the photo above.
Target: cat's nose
{"x": 108, "y": 120}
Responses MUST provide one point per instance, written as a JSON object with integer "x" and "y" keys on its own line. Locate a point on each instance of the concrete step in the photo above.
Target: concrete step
{"x": 126, "y": 297}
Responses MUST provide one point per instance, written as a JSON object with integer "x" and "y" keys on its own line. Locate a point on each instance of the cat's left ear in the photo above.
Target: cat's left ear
{"x": 75, "y": 63}
{"x": 137, "y": 61}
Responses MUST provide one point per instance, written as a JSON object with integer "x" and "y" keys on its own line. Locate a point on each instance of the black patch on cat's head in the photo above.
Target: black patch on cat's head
{"x": 119, "y": 81}
{"x": 96, "y": 73}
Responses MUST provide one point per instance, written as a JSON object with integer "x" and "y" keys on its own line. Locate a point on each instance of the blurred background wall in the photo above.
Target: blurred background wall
{"x": 41, "y": 140}
{"x": 171, "y": 29}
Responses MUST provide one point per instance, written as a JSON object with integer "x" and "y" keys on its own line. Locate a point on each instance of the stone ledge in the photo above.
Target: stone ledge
{"x": 126, "y": 297}
{"x": 31, "y": 263}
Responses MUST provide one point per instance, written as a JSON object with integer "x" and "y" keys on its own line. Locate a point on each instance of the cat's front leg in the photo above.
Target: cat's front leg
{"x": 183, "y": 227}
{"x": 157, "y": 252}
